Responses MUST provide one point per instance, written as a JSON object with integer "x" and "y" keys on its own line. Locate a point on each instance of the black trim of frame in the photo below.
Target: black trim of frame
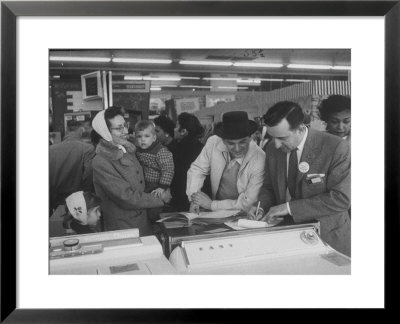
{"x": 202, "y": 8}
{"x": 8, "y": 162}
{"x": 9, "y": 13}
{"x": 392, "y": 150}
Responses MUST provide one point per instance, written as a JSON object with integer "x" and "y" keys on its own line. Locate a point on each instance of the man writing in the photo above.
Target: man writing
{"x": 235, "y": 164}
{"x": 307, "y": 176}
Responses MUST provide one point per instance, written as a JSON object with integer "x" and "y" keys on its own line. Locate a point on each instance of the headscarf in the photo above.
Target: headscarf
{"x": 76, "y": 205}
{"x": 100, "y": 126}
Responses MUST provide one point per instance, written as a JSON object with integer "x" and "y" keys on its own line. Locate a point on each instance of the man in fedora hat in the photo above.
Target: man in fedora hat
{"x": 307, "y": 176}
{"x": 235, "y": 164}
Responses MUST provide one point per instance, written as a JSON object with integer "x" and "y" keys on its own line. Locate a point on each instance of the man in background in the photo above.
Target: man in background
{"x": 70, "y": 164}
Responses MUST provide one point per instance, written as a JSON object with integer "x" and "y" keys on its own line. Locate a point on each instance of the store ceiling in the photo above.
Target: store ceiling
{"x": 336, "y": 57}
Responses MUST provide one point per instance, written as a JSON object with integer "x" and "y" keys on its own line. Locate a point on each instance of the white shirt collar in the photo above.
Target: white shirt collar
{"x": 300, "y": 147}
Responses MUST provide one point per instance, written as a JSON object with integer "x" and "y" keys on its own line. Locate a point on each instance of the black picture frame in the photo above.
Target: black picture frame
{"x": 10, "y": 10}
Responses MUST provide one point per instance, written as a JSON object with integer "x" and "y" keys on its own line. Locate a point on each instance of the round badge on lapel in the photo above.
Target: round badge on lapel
{"x": 304, "y": 167}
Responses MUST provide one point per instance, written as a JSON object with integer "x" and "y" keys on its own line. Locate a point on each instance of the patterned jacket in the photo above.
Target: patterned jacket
{"x": 157, "y": 163}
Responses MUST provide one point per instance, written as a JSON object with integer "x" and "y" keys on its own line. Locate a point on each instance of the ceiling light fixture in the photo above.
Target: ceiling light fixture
{"x": 238, "y": 88}
{"x": 257, "y": 81}
{"x": 139, "y": 60}
{"x": 133, "y": 77}
{"x": 309, "y": 66}
{"x": 195, "y": 86}
{"x": 155, "y": 89}
{"x": 190, "y": 78}
{"x": 79, "y": 59}
{"x": 338, "y": 67}
{"x": 266, "y": 65}
{"x": 216, "y": 63}
{"x": 155, "y": 78}
{"x": 297, "y": 80}
{"x": 151, "y": 78}
{"x": 272, "y": 80}
{"x": 220, "y": 79}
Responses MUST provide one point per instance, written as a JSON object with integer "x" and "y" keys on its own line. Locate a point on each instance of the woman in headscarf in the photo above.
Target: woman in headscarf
{"x": 118, "y": 177}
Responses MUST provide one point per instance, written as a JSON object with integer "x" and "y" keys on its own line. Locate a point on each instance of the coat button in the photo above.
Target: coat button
{"x": 141, "y": 181}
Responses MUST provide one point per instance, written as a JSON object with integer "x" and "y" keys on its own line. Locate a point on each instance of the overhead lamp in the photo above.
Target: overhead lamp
{"x": 220, "y": 79}
{"x": 338, "y": 67}
{"x": 272, "y": 80}
{"x": 266, "y": 65}
{"x": 155, "y": 78}
{"x": 139, "y": 60}
{"x": 190, "y": 78}
{"x": 168, "y": 85}
{"x": 195, "y": 86}
{"x": 150, "y": 78}
{"x": 217, "y": 63}
{"x": 79, "y": 59}
{"x": 56, "y": 77}
{"x": 155, "y": 89}
{"x": 257, "y": 81}
{"x": 309, "y": 66}
{"x": 235, "y": 88}
{"x": 297, "y": 80}
{"x": 133, "y": 77}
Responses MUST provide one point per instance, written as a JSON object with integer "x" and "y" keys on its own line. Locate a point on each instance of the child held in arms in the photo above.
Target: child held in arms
{"x": 156, "y": 160}
{"x": 83, "y": 213}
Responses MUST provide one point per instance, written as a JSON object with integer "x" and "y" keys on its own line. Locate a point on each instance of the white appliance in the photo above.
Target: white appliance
{"x": 291, "y": 251}
{"x": 115, "y": 252}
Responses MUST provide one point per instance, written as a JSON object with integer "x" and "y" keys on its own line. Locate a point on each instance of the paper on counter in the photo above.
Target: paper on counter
{"x": 247, "y": 223}
{"x": 242, "y": 224}
{"x": 213, "y": 214}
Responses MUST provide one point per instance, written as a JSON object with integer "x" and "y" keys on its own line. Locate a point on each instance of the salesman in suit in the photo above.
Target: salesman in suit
{"x": 307, "y": 176}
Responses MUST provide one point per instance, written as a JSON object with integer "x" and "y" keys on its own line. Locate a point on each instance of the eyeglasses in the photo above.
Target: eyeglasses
{"x": 121, "y": 128}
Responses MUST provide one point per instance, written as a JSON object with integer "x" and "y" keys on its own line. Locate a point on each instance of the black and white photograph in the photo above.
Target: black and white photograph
{"x": 200, "y": 161}
{"x": 180, "y": 156}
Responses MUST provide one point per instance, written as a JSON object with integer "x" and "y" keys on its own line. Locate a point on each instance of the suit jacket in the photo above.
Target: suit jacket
{"x": 327, "y": 201}
{"x": 213, "y": 159}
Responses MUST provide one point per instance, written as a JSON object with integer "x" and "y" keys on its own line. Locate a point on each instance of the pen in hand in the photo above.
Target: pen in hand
{"x": 258, "y": 208}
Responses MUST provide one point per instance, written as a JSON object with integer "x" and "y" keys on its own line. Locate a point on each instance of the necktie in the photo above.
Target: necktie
{"x": 292, "y": 172}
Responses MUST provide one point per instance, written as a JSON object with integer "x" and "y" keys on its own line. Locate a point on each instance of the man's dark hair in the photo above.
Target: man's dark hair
{"x": 166, "y": 124}
{"x": 191, "y": 124}
{"x": 73, "y": 125}
{"x": 284, "y": 109}
{"x": 110, "y": 113}
{"x": 334, "y": 104}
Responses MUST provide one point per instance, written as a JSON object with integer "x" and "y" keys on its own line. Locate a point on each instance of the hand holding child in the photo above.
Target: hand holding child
{"x": 158, "y": 192}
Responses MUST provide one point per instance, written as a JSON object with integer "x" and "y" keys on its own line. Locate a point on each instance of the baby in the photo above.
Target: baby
{"x": 83, "y": 213}
{"x": 156, "y": 160}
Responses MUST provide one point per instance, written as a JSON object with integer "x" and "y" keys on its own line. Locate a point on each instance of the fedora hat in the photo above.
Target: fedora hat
{"x": 236, "y": 125}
